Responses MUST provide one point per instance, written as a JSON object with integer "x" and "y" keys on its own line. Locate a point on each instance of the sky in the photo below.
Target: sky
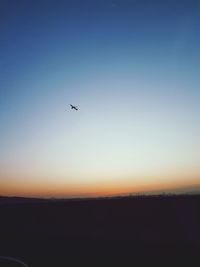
{"x": 131, "y": 66}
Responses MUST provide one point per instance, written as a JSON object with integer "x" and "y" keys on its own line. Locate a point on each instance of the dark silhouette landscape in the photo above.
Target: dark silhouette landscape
{"x": 42, "y": 232}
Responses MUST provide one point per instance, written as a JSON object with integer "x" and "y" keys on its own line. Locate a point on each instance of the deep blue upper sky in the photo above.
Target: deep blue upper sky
{"x": 107, "y": 54}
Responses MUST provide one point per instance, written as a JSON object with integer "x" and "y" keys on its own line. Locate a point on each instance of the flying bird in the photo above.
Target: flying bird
{"x": 73, "y": 107}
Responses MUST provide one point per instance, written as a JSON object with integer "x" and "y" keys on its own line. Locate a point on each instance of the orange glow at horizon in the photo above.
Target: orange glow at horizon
{"x": 105, "y": 189}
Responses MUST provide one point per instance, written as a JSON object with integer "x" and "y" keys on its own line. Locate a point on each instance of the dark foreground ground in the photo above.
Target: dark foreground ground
{"x": 131, "y": 229}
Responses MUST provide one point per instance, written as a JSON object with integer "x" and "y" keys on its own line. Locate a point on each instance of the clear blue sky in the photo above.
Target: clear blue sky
{"x": 133, "y": 68}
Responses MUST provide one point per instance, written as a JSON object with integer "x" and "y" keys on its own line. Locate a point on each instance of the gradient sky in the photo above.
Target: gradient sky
{"x": 133, "y": 68}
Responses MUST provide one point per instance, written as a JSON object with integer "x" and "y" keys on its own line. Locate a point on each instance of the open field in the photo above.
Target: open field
{"x": 47, "y": 231}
